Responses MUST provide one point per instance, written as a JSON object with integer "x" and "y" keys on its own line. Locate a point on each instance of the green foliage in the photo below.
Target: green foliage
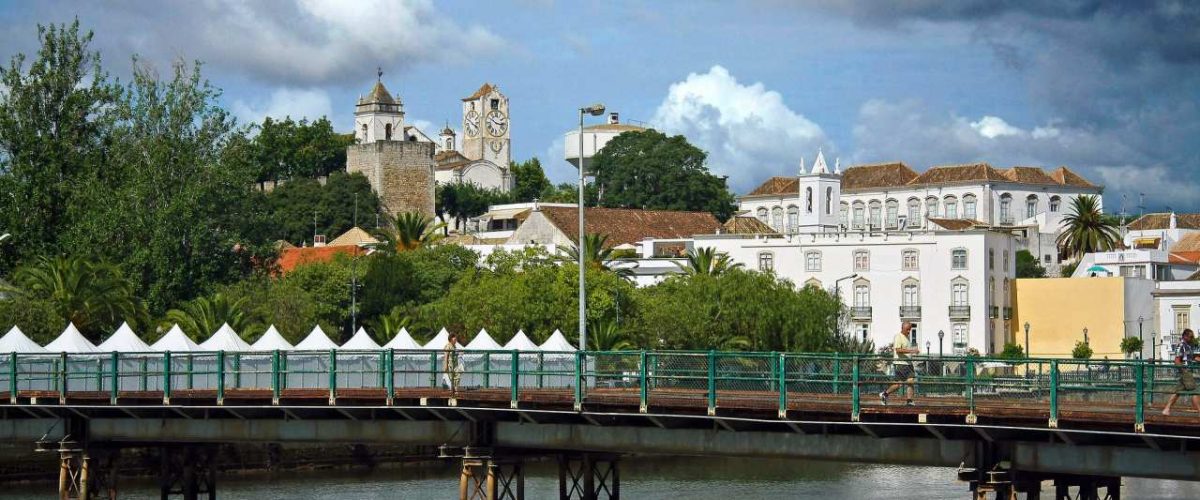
{"x": 199, "y": 318}
{"x": 597, "y": 255}
{"x": 328, "y": 284}
{"x": 281, "y": 302}
{"x": 529, "y": 181}
{"x": 390, "y": 281}
{"x": 1028, "y": 266}
{"x": 1068, "y": 269}
{"x": 294, "y": 204}
{"x": 37, "y": 318}
{"x": 608, "y": 336}
{"x": 1130, "y": 345}
{"x": 568, "y": 192}
{"x": 1082, "y": 350}
{"x": 285, "y": 149}
{"x": 1085, "y": 230}
{"x": 94, "y": 295}
{"x": 708, "y": 261}
{"x": 388, "y": 325}
{"x": 463, "y": 200}
{"x": 408, "y": 231}
{"x": 650, "y": 170}
{"x": 1012, "y": 350}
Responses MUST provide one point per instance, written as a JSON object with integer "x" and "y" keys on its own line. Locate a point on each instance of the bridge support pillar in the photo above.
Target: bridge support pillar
{"x": 589, "y": 477}
{"x": 491, "y": 478}
{"x": 189, "y": 471}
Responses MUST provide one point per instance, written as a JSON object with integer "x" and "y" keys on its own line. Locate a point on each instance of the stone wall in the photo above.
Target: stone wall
{"x": 400, "y": 172}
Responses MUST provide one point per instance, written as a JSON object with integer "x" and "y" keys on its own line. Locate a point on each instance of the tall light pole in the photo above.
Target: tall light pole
{"x": 594, "y": 110}
{"x": 1027, "y": 339}
{"x": 1141, "y": 340}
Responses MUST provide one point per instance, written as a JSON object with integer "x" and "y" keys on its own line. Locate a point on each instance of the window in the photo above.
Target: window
{"x": 364, "y": 131}
{"x": 813, "y": 283}
{"x": 762, "y": 216}
{"x": 910, "y": 294}
{"x": 1005, "y": 269}
{"x": 951, "y": 207}
{"x": 876, "y": 210}
{"x": 1047, "y": 259}
{"x": 914, "y": 212}
{"x": 387, "y": 132}
{"x": 1055, "y": 201}
{"x": 808, "y": 200}
{"x": 777, "y": 219}
{"x": 862, "y": 260}
{"x": 1005, "y": 209}
{"x": 991, "y": 259}
{"x": 958, "y": 258}
{"x": 793, "y": 220}
{"x": 844, "y": 217}
{"x": 862, "y": 329}
{"x": 812, "y": 261}
{"x": 1031, "y": 206}
{"x": 495, "y": 103}
{"x": 1133, "y": 271}
{"x": 766, "y": 261}
{"x": 969, "y": 211}
{"x": 1006, "y": 285}
{"x": 859, "y": 211}
{"x": 911, "y": 262}
{"x": 893, "y": 214}
{"x": 828, "y": 201}
{"x": 958, "y": 294}
{"x": 862, "y": 295}
{"x": 1183, "y": 319}
{"x": 931, "y": 205}
{"x": 959, "y": 337}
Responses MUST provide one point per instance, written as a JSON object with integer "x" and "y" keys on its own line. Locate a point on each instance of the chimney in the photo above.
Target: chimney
{"x": 613, "y": 118}
{"x": 1174, "y": 221}
{"x": 319, "y": 240}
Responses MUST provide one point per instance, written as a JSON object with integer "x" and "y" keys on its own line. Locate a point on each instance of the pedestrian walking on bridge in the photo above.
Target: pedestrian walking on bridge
{"x": 1185, "y": 355}
{"x": 902, "y": 348}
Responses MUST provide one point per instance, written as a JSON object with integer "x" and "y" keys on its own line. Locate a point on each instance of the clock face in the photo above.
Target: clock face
{"x": 497, "y": 123}
{"x": 496, "y": 146}
{"x": 471, "y": 125}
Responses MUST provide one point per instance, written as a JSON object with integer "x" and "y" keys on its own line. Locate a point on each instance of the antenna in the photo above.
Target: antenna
{"x": 379, "y": 73}
{"x": 1141, "y": 204}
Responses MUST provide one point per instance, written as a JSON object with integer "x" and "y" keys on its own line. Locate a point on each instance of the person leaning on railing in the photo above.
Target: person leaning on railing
{"x": 1185, "y": 354}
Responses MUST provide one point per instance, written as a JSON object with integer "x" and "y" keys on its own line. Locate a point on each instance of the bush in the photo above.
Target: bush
{"x": 1130, "y": 345}
{"x": 1012, "y": 350}
{"x": 37, "y": 318}
{"x": 1082, "y": 350}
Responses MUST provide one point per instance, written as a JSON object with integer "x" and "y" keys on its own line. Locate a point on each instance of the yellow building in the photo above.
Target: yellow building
{"x": 1059, "y": 309}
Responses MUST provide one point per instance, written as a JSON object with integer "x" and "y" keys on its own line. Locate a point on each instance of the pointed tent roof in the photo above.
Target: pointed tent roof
{"x": 483, "y": 341}
{"x": 70, "y": 340}
{"x": 271, "y": 340}
{"x": 355, "y": 236}
{"x": 361, "y": 341}
{"x": 16, "y": 341}
{"x": 521, "y": 342}
{"x": 124, "y": 340}
{"x": 378, "y": 95}
{"x": 225, "y": 339}
{"x": 819, "y": 166}
{"x": 557, "y": 342}
{"x": 176, "y": 341}
{"x": 402, "y": 340}
{"x": 439, "y": 341}
{"x": 316, "y": 341}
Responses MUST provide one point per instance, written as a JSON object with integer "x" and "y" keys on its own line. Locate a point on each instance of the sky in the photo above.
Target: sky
{"x": 1109, "y": 89}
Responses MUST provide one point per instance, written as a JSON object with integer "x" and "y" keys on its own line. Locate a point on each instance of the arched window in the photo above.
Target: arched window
{"x": 951, "y": 207}
{"x": 862, "y": 293}
{"x": 892, "y": 214}
{"x": 1055, "y": 203}
{"x": 1031, "y": 206}
{"x": 762, "y": 215}
{"x": 387, "y": 132}
{"x": 859, "y": 214}
{"x": 793, "y": 218}
{"x": 876, "y": 214}
{"x": 1006, "y": 288}
{"x": 958, "y": 293}
{"x": 931, "y": 207}
{"x": 969, "y": 211}
{"x": 844, "y": 217}
{"x": 862, "y": 260}
{"x": 828, "y": 201}
{"x": 812, "y": 261}
{"x": 813, "y": 283}
{"x": 958, "y": 258}
{"x": 777, "y": 219}
{"x": 1006, "y": 209}
{"x": 914, "y": 212}
{"x": 364, "y": 132}
{"x": 766, "y": 261}
{"x": 910, "y": 294}
{"x": 808, "y": 200}
{"x": 911, "y": 260}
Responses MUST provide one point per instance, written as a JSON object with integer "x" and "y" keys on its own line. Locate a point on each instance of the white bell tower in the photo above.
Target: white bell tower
{"x": 820, "y": 197}
{"x": 378, "y": 116}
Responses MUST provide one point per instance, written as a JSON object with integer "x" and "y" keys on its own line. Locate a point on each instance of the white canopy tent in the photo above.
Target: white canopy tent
{"x": 70, "y": 340}
{"x": 521, "y": 342}
{"x": 361, "y": 341}
{"x": 316, "y": 341}
{"x": 439, "y": 341}
{"x": 225, "y": 339}
{"x": 175, "y": 341}
{"x": 16, "y": 341}
{"x": 124, "y": 340}
{"x": 402, "y": 341}
{"x": 557, "y": 343}
{"x": 271, "y": 340}
{"x": 483, "y": 341}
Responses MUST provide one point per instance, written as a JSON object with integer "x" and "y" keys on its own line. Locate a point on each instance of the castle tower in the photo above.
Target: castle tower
{"x": 820, "y": 197}
{"x": 446, "y": 140}
{"x": 400, "y": 170}
{"x": 486, "y": 132}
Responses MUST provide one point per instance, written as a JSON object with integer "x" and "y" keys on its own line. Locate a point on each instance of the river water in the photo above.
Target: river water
{"x": 644, "y": 478}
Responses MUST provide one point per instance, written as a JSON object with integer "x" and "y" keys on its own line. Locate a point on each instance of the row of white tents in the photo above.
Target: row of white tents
{"x": 226, "y": 339}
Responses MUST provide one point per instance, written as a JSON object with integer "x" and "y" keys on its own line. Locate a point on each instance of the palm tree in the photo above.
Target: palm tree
{"x": 599, "y": 255}
{"x": 1085, "y": 230}
{"x": 388, "y": 325}
{"x": 94, "y": 295}
{"x": 408, "y": 231}
{"x": 608, "y": 336}
{"x": 202, "y": 316}
{"x": 707, "y": 261}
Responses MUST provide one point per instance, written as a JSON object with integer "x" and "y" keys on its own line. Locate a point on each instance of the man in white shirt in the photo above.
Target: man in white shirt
{"x": 905, "y": 376}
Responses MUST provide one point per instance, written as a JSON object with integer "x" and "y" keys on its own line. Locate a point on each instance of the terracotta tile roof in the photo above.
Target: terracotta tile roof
{"x": 291, "y": 258}
{"x": 1028, "y": 175}
{"x": 1163, "y": 221}
{"x": 450, "y": 160}
{"x": 956, "y": 224}
{"x": 742, "y": 224}
{"x": 1183, "y": 258}
{"x": 627, "y": 225}
{"x": 777, "y": 185}
{"x": 354, "y": 236}
{"x": 877, "y": 175}
{"x": 485, "y": 89}
{"x": 616, "y": 127}
{"x": 1188, "y": 243}
{"x": 949, "y": 174}
{"x": 1066, "y": 177}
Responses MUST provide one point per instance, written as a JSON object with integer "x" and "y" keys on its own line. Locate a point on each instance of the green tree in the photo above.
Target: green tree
{"x": 278, "y": 301}
{"x": 328, "y": 283}
{"x": 650, "y": 170}
{"x": 1085, "y": 230}
{"x": 1012, "y": 350}
{"x": 707, "y": 260}
{"x": 408, "y": 231}
{"x": 388, "y": 325}
{"x": 1082, "y": 350}
{"x": 295, "y": 205}
{"x": 37, "y": 318}
{"x": 94, "y": 295}
{"x": 1130, "y": 345}
{"x": 598, "y": 255}
{"x": 199, "y": 318}
{"x": 390, "y": 281}
{"x": 608, "y": 336}
{"x": 529, "y": 181}
{"x": 1028, "y": 266}
{"x": 460, "y": 201}
{"x": 285, "y": 149}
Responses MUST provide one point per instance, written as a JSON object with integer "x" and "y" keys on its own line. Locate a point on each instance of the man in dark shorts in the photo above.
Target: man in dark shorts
{"x": 1185, "y": 354}
{"x": 905, "y": 376}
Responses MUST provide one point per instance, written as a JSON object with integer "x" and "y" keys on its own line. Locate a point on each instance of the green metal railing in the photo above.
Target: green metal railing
{"x": 710, "y": 380}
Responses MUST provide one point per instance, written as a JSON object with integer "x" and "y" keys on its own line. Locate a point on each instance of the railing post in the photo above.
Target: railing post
{"x": 237, "y": 371}
{"x": 487, "y": 370}
{"x": 99, "y": 374}
{"x": 333, "y": 376}
{"x": 643, "y": 386}
{"x": 855, "y": 390}
{"x": 274, "y": 376}
{"x": 541, "y": 368}
{"x": 712, "y": 382}
{"x": 1053, "y": 424}
{"x": 114, "y": 363}
{"x": 781, "y": 382}
{"x": 1139, "y": 416}
{"x": 12, "y": 378}
{"x": 220, "y": 377}
{"x": 837, "y": 373}
{"x": 578, "y": 380}
{"x": 390, "y": 377}
{"x": 190, "y": 367}
{"x": 970, "y": 390}
{"x": 433, "y": 369}
{"x": 167, "y": 377}
{"x": 62, "y": 386}
{"x": 144, "y": 367}
{"x": 515, "y": 378}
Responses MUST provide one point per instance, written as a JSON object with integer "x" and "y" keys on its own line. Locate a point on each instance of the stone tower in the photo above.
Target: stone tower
{"x": 399, "y": 168}
{"x": 486, "y": 131}
{"x": 446, "y": 140}
{"x": 820, "y": 197}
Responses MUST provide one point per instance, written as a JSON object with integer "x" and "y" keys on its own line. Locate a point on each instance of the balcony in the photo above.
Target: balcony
{"x": 960, "y": 312}
{"x": 1006, "y": 220}
{"x": 910, "y": 312}
{"x": 860, "y": 312}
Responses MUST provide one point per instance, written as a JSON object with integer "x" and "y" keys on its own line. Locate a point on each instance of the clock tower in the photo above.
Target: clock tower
{"x": 486, "y": 131}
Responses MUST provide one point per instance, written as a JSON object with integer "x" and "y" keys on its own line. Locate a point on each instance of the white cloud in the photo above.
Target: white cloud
{"x": 284, "y": 102}
{"x": 992, "y": 127}
{"x": 747, "y": 130}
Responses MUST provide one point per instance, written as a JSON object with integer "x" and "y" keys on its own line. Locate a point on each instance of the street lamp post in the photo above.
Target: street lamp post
{"x": 1141, "y": 340}
{"x": 942, "y": 366}
{"x": 1027, "y": 353}
{"x": 1085, "y": 337}
{"x": 594, "y": 110}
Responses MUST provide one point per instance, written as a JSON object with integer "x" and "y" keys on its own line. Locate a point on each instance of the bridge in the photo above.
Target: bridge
{"x": 1009, "y": 426}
